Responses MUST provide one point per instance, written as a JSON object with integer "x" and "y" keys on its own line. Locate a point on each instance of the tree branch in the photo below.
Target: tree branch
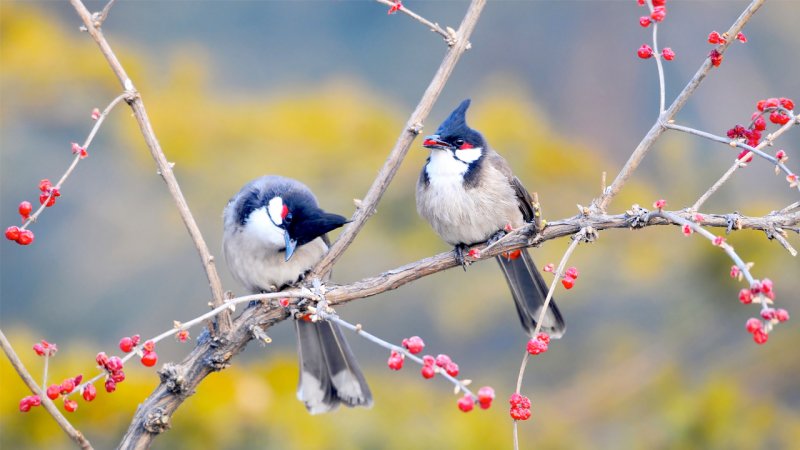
{"x": 401, "y": 147}
{"x": 164, "y": 166}
{"x": 655, "y": 131}
{"x": 48, "y": 404}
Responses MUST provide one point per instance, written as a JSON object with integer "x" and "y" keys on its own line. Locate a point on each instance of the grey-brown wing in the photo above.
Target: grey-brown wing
{"x": 524, "y": 198}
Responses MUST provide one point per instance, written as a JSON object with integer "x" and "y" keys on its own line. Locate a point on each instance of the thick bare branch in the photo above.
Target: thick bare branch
{"x": 48, "y": 404}
{"x": 412, "y": 129}
{"x": 164, "y": 166}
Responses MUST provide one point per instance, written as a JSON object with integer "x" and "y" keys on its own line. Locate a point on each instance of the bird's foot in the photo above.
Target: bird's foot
{"x": 496, "y": 237}
{"x": 460, "y": 251}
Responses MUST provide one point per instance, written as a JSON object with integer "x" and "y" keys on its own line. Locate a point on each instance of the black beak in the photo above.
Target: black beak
{"x": 434, "y": 141}
{"x": 291, "y": 244}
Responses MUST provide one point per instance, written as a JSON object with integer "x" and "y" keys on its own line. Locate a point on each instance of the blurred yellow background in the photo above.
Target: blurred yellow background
{"x": 656, "y": 355}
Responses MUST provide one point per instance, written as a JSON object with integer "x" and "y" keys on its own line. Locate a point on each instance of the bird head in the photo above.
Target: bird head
{"x": 286, "y": 220}
{"x": 455, "y": 136}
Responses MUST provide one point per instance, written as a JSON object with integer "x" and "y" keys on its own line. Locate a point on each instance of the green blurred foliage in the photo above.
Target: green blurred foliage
{"x": 619, "y": 384}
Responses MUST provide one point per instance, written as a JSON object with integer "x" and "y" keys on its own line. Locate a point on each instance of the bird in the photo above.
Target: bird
{"x": 468, "y": 194}
{"x": 274, "y": 233}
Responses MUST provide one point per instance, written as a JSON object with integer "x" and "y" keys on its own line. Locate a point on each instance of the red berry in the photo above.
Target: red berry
{"x": 25, "y": 405}
{"x": 782, "y": 315}
{"x": 428, "y": 372}
{"x": 760, "y": 336}
{"x": 101, "y": 359}
{"x": 12, "y": 233}
{"x": 766, "y": 286}
{"x": 466, "y": 403}
{"x": 752, "y": 325}
{"x": 719, "y": 240}
{"x": 536, "y": 346}
{"x": 760, "y": 124}
{"x": 25, "y": 209}
{"x": 544, "y": 337}
{"x": 25, "y": 237}
{"x": 572, "y": 272}
{"x": 118, "y": 376}
{"x": 67, "y": 386}
{"x": 396, "y": 7}
{"x": 114, "y": 364}
{"x": 95, "y": 114}
{"x": 110, "y": 386}
{"x": 659, "y": 2}
{"x": 687, "y": 230}
{"x": 149, "y": 359}
{"x": 668, "y": 54}
{"x": 70, "y": 405}
{"x": 485, "y": 396}
{"x": 736, "y": 132}
{"x": 658, "y": 14}
{"x": 47, "y": 199}
{"x": 89, "y": 392}
{"x": 149, "y": 346}
{"x": 520, "y": 413}
{"x": 519, "y": 401}
{"x": 781, "y": 156}
{"x": 414, "y": 344}
{"x": 716, "y": 58}
{"x": 452, "y": 369}
{"x": 644, "y": 21}
{"x": 77, "y": 380}
{"x": 182, "y": 335}
{"x": 396, "y": 360}
{"x": 136, "y": 339}
{"x": 660, "y": 204}
{"x": 53, "y": 391}
{"x": 645, "y": 51}
{"x": 474, "y": 253}
{"x": 284, "y": 302}
{"x": 779, "y": 117}
{"x": 126, "y": 344}
{"x": 699, "y": 218}
{"x": 745, "y": 156}
{"x": 45, "y": 185}
{"x": 715, "y": 38}
{"x": 549, "y": 267}
{"x": 428, "y": 360}
{"x": 786, "y": 103}
{"x": 745, "y": 296}
{"x": 443, "y": 360}
{"x": 568, "y": 282}
{"x": 38, "y": 349}
{"x": 768, "y": 314}
{"x": 755, "y": 287}
{"x": 741, "y": 37}
{"x": 513, "y": 254}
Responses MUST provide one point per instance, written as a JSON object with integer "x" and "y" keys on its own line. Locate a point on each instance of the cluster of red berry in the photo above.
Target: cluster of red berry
{"x": 657, "y": 15}
{"x": 538, "y": 344}
{"x": 485, "y": 398}
{"x": 569, "y": 277}
{"x": 777, "y": 109}
{"x": 520, "y": 407}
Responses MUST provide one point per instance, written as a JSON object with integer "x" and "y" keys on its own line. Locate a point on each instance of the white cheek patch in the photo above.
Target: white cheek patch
{"x": 275, "y": 210}
{"x": 261, "y": 228}
{"x": 469, "y": 155}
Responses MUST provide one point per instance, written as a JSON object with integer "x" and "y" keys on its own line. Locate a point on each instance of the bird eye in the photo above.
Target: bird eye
{"x": 288, "y": 218}
{"x": 459, "y": 142}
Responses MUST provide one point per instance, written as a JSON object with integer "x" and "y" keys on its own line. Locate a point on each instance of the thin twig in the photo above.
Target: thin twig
{"x": 449, "y": 38}
{"x": 581, "y": 235}
{"x": 48, "y": 404}
{"x": 657, "y": 56}
{"x": 460, "y": 385}
{"x": 655, "y": 131}
{"x": 75, "y": 160}
{"x": 164, "y": 166}
{"x": 412, "y": 129}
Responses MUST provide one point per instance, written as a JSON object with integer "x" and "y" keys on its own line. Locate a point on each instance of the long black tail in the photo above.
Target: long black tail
{"x": 529, "y": 291}
{"x": 329, "y": 373}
